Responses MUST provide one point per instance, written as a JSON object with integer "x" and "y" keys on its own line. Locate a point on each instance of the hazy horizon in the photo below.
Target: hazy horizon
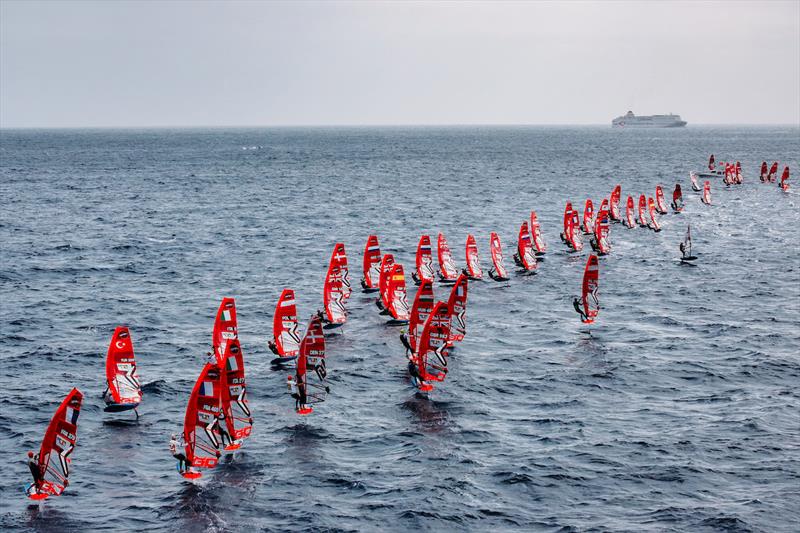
{"x": 350, "y": 64}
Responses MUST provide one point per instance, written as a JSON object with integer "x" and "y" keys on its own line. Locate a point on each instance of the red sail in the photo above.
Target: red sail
{"x": 123, "y": 381}
{"x": 423, "y": 305}
{"x": 763, "y": 175}
{"x": 536, "y": 235}
{"x": 711, "y": 162}
{"x": 200, "y": 426}
{"x": 424, "y": 260}
{"x": 525, "y": 249}
{"x": 447, "y": 267}
{"x": 642, "y": 209}
{"x": 567, "y": 218}
{"x": 473, "y": 261}
{"x": 773, "y": 172}
{"x": 57, "y": 445}
{"x": 396, "y": 293}
{"x": 432, "y": 353}
{"x": 225, "y": 328}
{"x": 340, "y": 257}
{"x": 372, "y": 263}
{"x": 629, "y": 221}
{"x": 651, "y": 207}
{"x": 784, "y": 185}
{"x": 457, "y": 306}
{"x": 573, "y": 232}
{"x": 233, "y": 391}
{"x": 333, "y": 297}
{"x": 589, "y": 298}
{"x": 383, "y": 280}
{"x": 661, "y": 204}
{"x": 707, "y": 192}
{"x": 677, "y": 198}
{"x": 284, "y": 325}
{"x": 601, "y": 230}
{"x": 497, "y": 258}
{"x": 616, "y": 194}
{"x": 588, "y": 216}
{"x": 311, "y": 374}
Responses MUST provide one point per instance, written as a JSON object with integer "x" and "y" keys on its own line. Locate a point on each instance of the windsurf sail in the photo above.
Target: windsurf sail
{"x": 651, "y": 207}
{"x": 473, "y": 269}
{"x": 225, "y": 328}
{"x": 642, "y": 208}
{"x": 590, "y": 302}
{"x": 432, "y": 353}
{"x": 57, "y": 445}
{"x": 447, "y": 267}
{"x": 124, "y": 388}
{"x": 686, "y": 245}
{"x": 629, "y": 217}
{"x": 284, "y": 325}
{"x": 738, "y": 172}
{"x": 661, "y": 204}
{"x": 711, "y": 164}
{"x": 764, "y": 172}
{"x": 588, "y": 217}
{"x": 233, "y": 398}
{"x": 573, "y": 232}
{"x": 567, "y": 221}
{"x": 613, "y": 206}
{"x": 773, "y": 172}
{"x": 693, "y": 178}
{"x": 424, "y": 262}
{"x": 372, "y": 264}
{"x": 387, "y": 262}
{"x": 498, "y": 273}
{"x": 784, "y": 185}
{"x": 707, "y": 192}
{"x": 396, "y": 293}
{"x": 601, "y": 232}
{"x": 677, "y": 199}
{"x": 457, "y": 305}
{"x": 728, "y": 176}
{"x": 539, "y": 245}
{"x": 333, "y": 296}
{"x": 423, "y": 305}
{"x": 340, "y": 256}
{"x": 312, "y": 373}
{"x": 200, "y": 426}
{"x": 525, "y": 249}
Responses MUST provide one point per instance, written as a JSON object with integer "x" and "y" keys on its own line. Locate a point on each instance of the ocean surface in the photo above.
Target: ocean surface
{"x": 679, "y": 410}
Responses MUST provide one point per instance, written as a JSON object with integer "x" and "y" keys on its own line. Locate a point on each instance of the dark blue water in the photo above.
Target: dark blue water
{"x": 677, "y": 411}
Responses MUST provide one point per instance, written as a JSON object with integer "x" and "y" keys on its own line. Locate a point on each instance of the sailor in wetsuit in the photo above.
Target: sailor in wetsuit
{"x": 291, "y": 384}
{"x": 223, "y": 428}
{"x": 273, "y": 347}
{"x": 36, "y": 472}
{"x": 413, "y": 371}
{"x": 174, "y": 448}
{"x": 576, "y": 303}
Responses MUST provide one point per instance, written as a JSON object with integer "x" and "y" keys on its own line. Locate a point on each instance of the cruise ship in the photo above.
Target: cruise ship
{"x": 629, "y": 120}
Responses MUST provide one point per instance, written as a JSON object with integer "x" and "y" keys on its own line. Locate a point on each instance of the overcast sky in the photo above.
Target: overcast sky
{"x": 305, "y": 63}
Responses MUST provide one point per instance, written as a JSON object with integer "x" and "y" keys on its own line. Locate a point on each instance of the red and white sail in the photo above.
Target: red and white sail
{"x": 764, "y": 172}
{"x": 677, "y": 198}
{"x": 225, "y": 328}
{"x": 642, "y": 210}
{"x": 121, "y": 376}
{"x": 333, "y": 297}
{"x": 312, "y": 373}
{"x": 525, "y": 249}
{"x": 473, "y": 260}
{"x": 567, "y": 220}
{"x": 784, "y": 184}
{"x": 396, "y": 294}
{"x": 589, "y": 297}
{"x": 588, "y": 217}
{"x": 773, "y": 172}
{"x": 387, "y": 262}
{"x": 372, "y": 263}
{"x": 420, "y": 310}
{"x": 284, "y": 325}
{"x": 613, "y": 206}
{"x": 457, "y": 305}
{"x": 340, "y": 256}
{"x": 711, "y": 164}
{"x": 424, "y": 261}
{"x": 651, "y": 207}
{"x": 601, "y": 231}
{"x": 707, "y": 192}
{"x": 432, "y": 353}
{"x": 233, "y": 396}
{"x": 629, "y": 213}
{"x": 496, "y": 249}
{"x": 661, "y": 204}
{"x": 693, "y": 178}
{"x": 539, "y": 245}
{"x": 738, "y": 172}
{"x": 57, "y": 445}
{"x": 573, "y": 233}
{"x": 200, "y": 426}
{"x": 447, "y": 267}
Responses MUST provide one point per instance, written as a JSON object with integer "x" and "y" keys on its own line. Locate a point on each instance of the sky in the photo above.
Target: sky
{"x": 208, "y": 63}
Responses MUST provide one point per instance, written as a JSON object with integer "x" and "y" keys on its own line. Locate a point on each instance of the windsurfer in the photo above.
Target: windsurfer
{"x": 405, "y": 341}
{"x": 36, "y": 472}
{"x": 576, "y": 303}
{"x": 413, "y": 371}
{"x": 274, "y": 347}
{"x": 223, "y": 428}
{"x": 174, "y": 447}
{"x": 107, "y": 397}
{"x": 291, "y": 384}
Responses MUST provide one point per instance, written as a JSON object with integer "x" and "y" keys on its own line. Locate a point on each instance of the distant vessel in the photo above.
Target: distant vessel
{"x": 629, "y": 120}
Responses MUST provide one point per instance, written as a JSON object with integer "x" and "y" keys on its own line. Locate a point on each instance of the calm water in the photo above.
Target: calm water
{"x": 677, "y": 411}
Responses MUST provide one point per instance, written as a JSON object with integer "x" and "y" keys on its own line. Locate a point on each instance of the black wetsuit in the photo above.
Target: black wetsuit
{"x": 576, "y": 303}
{"x": 273, "y": 347}
{"x": 414, "y": 371}
{"x": 406, "y": 343}
{"x": 223, "y": 429}
{"x": 36, "y": 471}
